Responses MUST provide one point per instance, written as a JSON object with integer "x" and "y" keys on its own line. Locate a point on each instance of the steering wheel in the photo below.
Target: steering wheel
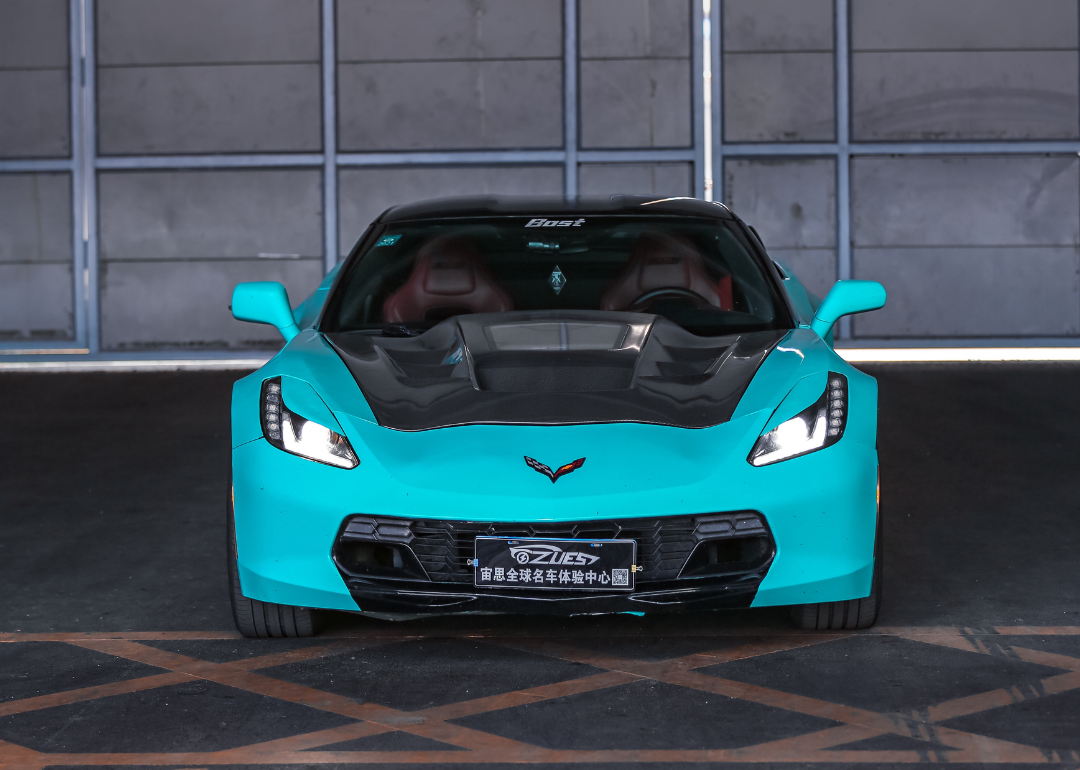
{"x": 650, "y": 298}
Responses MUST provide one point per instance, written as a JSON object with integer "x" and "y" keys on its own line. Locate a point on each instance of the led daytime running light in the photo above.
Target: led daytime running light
{"x": 297, "y": 435}
{"x": 816, "y": 427}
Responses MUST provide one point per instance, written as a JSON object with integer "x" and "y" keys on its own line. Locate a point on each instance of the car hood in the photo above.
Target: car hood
{"x": 545, "y": 368}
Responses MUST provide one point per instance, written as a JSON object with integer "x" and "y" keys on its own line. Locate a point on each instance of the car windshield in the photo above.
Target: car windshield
{"x": 698, "y": 273}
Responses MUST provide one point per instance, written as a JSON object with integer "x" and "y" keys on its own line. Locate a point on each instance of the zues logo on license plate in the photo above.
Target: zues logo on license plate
{"x": 574, "y": 565}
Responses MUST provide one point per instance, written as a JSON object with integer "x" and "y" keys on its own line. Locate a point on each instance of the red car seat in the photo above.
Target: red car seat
{"x": 449, "y": 278}
{"x": 659, "y": 261}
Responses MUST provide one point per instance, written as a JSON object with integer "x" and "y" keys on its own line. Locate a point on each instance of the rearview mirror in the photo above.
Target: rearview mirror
{"x": 265, "y": 302}
{"x": 845, "y": 298}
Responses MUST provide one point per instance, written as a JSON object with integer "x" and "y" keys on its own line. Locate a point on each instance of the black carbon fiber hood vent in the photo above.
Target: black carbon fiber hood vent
{"x": 553, "y": 369}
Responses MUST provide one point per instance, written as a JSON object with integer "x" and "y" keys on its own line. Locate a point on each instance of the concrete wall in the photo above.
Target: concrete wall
{"x": 968, "y": 245}
{"x": 36, "y": 280}
{"x": 35, "y": 114}
{"x": 964, "y": 69}
{"x": 667, "y": 179}
{"x": 174, "y": 243}
{"x": 778, "y": 70}
{"x": 792, "y": 205}
{"x": 449, "y": 74}
{"x": 244, "y": 76}
{"x": 635, "y": 73}
{"x": 36, "y": 290}
{"x": 208, "y": 76}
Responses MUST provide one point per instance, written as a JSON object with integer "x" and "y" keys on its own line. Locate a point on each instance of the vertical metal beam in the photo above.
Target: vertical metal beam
{"x": 716, "y": 24}
{"x": 330, "y": 171}
{"x": 78, "y": 209}
{"x": 697, "y": 59}
{"x": 706, "y": 78}
{"x": 90, "y": 187}
{"x": 843, "y": 153}
{"x": 570, "y": 98}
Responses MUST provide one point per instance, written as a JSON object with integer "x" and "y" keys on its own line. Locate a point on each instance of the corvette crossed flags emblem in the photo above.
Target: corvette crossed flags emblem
{"x": 554, "y": 475}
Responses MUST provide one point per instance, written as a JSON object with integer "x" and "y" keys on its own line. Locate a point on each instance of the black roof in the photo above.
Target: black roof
{"x": 523, "y": 205}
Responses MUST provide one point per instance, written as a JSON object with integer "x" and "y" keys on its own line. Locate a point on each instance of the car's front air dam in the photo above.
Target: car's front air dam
{"x": 384, "y": 599}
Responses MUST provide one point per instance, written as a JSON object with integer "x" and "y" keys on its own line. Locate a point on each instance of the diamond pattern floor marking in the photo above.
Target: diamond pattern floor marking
{"x": 862, "y": 735}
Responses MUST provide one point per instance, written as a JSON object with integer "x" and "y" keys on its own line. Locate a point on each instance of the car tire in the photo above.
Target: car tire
{"x": 848, "y": 615}
{"x": 263, "y": 620}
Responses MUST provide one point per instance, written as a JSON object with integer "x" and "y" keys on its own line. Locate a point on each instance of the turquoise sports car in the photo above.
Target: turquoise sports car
{"x": 522, "y": 405}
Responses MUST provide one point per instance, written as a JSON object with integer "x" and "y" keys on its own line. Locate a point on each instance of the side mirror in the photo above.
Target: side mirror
{"x": 265, "y": 302}
{"x": 845, "y": 298}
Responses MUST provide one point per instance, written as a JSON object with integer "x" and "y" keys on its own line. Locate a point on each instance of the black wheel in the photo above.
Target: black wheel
{"x": 854, "y": 613}
{"x": 263, "y": 620}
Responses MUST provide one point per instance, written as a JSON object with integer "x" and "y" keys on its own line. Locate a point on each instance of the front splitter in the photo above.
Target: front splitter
{"x": 413, "y": 598}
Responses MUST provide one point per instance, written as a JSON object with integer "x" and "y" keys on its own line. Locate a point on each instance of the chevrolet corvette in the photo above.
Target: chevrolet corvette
{"x": 524, "y": 405}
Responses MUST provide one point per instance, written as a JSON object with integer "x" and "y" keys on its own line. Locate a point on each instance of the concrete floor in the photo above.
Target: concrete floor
{"x": 117, "y": 648}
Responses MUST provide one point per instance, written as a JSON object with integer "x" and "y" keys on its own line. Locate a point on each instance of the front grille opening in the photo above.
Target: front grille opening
{"x": 378, "y": 560}
{"x": 727, "y": 556}
{"x": 442, "y": 550}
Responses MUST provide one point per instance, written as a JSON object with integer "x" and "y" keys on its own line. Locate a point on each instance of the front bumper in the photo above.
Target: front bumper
{"x": 820, "y": 508}
{"x": 711, "y": 561}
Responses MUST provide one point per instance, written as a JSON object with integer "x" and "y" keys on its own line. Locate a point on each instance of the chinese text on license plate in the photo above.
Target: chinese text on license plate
{"x": 575, "y": 565}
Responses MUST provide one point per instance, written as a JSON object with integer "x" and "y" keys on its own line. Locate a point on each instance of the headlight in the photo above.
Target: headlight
{"x": 296, "y": 435}
{"x": 814, "y": 428}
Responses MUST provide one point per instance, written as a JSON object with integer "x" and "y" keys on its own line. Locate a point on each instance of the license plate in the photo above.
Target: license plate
{"x": 569, "y": 565}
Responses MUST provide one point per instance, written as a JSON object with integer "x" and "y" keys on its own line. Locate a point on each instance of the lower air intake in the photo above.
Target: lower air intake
{"x": 724, "y": 543}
